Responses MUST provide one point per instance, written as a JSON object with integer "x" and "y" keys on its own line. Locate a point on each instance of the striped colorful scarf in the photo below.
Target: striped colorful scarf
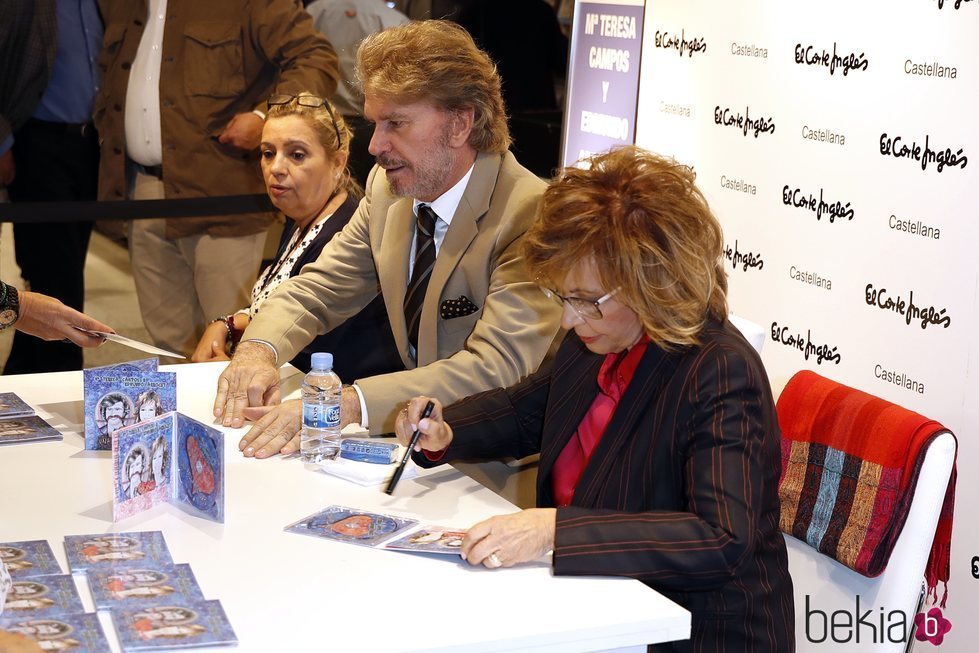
{"x": 850, "y": 462}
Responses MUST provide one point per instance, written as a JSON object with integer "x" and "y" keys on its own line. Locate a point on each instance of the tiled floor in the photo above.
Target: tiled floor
{"x": 109, "y": 296}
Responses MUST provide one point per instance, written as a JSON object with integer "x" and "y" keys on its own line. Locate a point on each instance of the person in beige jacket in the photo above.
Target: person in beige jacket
{"x": 441, "y": 143}
{"x": 180, "y": 113}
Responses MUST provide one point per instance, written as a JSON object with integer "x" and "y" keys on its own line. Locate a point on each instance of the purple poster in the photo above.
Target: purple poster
{"x": 603, "y": 84}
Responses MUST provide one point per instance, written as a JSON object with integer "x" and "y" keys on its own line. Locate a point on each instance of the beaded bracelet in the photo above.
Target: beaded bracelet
{"x": 229, "y": 324}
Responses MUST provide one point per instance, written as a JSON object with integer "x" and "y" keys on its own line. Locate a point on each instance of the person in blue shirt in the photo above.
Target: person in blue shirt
{"x": 54, "y": 156}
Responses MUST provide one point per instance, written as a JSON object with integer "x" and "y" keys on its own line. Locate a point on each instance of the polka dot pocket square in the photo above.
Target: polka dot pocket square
{"x": 461, "y": 307}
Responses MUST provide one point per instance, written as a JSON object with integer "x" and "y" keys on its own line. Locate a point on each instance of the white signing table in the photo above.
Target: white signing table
{"x": 284, "y": 591}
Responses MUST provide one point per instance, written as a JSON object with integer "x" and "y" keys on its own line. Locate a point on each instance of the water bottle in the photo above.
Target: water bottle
{"x": 320, "y": 438}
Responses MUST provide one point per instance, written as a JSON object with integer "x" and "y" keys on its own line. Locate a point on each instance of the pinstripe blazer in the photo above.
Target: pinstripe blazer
{"x": 681, "y": 492}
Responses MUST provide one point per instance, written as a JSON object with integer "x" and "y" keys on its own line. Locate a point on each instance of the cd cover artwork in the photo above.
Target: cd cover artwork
{"x": 173, "y": 625}
{"x": 350, "y": 525}
{"x": 78, "y": 633}
{"x": 12, "y": 405}
{"x": 29, "y": 558}
{"x": 169, "y": 459}
{"x": 29, "y": 428}
{"x": 110, "y": 550}
{"x": 121, "y": 395}
{"x": 139, "y": 586}
{"x": 142, "y": 457}
{"x": 42, "y": 596}
{"x": 429, "y": 539}
{"x": 200, "y": 468}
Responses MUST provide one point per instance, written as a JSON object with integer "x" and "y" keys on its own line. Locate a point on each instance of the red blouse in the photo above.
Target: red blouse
{"x": 613, "y": 378}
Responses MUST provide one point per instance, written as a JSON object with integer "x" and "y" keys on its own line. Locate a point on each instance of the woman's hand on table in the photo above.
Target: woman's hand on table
{"x": 435, "y": 435}
{"x": 276, "y": 430}
{"x": 250, "y": 379}
{"x": 212, "y": 345}
{"x": 507, "y": 540}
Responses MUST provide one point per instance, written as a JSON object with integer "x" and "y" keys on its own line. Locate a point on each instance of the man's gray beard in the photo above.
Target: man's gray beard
{"x": 429, "y": 182}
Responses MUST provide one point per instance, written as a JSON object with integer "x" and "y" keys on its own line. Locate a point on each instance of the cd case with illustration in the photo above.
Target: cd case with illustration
{"x": 112, "y": 550}
{"x": 121, "y": 395}
{"x": 169, "y": 459}
{"x": 177, "y": 624}
{"x": 353, "y": 526}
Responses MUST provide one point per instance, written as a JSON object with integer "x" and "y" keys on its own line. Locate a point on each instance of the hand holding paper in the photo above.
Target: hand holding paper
{"x": 49, "y": 319}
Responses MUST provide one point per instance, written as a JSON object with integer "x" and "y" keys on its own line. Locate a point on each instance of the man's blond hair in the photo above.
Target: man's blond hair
{"x": 437, "y": 61}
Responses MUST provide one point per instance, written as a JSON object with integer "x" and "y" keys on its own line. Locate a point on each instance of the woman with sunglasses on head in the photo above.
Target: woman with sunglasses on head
{"x": 304, "y": 150}
{"x": 655, "y": 423}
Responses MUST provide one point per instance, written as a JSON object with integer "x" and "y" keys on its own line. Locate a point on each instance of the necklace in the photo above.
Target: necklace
{"x": 290, "y": 247}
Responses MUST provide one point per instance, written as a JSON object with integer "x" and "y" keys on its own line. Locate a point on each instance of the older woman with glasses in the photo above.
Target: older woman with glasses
{"x": 304, "y": 150}
{"x": 655, "y": 422}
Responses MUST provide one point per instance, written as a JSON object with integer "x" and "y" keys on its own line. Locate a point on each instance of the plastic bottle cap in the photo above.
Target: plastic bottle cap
{"x": 321, "y": 361}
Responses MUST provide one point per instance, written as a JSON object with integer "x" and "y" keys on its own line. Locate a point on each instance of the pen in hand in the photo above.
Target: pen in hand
{"x": 429, "y": 407}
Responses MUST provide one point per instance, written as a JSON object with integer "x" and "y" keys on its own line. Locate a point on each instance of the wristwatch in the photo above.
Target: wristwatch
{"x": 9, "y": 306}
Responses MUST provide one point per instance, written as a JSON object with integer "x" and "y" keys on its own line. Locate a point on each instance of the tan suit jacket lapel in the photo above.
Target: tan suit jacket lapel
{"x": 392, "y": 267}
{"x": 462, "y": 230}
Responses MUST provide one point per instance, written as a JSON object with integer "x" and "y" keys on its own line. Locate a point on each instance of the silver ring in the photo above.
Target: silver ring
{"x": 494, "y": 560}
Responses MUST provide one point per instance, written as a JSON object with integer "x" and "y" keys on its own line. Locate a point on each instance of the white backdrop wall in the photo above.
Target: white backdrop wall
{"x": 867, "y": 259}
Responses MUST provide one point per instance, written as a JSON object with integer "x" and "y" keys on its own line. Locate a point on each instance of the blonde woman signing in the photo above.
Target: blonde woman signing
{"x": 655, "y": 423}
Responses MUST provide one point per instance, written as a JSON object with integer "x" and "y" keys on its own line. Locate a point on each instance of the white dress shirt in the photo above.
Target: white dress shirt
{"x": 445, "y": 208}
{"x": 144, "y": 142}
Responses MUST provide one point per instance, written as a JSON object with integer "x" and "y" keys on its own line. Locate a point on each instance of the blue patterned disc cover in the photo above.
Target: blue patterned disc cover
{"x": 78, "y": 633}
{"x": 29, "y": 558}
{"x": 351, "y": 525}
{"x": 179, "y": 624}
{"x": 140, "y": 586}
{"x": 122, "y": 395}
{"x": 169, "y": 459}
{"x": 42, "y": 596}
{"x": 200, "y": 468}
{"x": 11, "y": 405}
{"x": 29, "y": 428}
{"x": 109, "y": 550}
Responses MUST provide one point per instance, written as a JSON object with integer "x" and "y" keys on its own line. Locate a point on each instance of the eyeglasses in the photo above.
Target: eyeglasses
{"x": 311, "y": 101}
{"x": 586, "y": 308}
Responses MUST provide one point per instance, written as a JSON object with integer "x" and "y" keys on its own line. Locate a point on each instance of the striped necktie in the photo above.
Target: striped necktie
{"x": 420, "y": 271}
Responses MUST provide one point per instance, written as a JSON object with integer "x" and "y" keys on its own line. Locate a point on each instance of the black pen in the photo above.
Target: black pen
{"x": 429, "y": 407}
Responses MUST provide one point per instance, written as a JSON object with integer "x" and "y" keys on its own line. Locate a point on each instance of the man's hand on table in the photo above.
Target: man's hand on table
{"x": 277, "y": 427}
{"x": 250, "y": 379}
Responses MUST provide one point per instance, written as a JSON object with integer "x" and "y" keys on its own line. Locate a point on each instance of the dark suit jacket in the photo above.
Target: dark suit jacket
{"x": 681, "y": 492}
{"x": 361, "y": 346}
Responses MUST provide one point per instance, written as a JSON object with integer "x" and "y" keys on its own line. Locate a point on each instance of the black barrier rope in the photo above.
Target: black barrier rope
{"x": 191, "y": 207}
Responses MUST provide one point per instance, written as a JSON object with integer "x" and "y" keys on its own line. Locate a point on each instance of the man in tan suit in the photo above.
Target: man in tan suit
{"x": 438, "y": 231}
